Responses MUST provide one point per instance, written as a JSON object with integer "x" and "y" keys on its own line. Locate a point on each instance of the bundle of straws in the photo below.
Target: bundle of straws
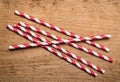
{"x": 27, "y": 31}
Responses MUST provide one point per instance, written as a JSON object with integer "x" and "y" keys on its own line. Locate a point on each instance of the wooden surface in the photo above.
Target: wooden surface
{"x": 84, "y": 17}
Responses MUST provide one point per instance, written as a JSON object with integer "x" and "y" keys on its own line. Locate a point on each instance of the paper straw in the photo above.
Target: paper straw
{"x": 61, "y": 30}
{"x": 60, "y": 41}
{"x": 84, "y": 68}
{"x": 72, "y": 44}
{"x": 99, "y": 69}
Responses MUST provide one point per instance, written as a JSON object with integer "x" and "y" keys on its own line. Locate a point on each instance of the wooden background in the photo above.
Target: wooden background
{"x": 84, "y": 17}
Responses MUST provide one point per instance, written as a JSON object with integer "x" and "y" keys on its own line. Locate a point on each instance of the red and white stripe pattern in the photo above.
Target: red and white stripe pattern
{"x": 99, "y": 69}
{"x": 55, "y": 52}
{"x": 98, "y": 45}
{"x": 72, "y": 44}
{"x": 61, "y": 30}
{"x": 49, "y": 43}
{"x": 62, "y": 40}
{"x": 98, "y": 37}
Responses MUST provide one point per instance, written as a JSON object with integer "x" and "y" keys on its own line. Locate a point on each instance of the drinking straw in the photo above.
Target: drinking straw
{"x": 99, "y": 69}
{"x": 55, "y": 52}
{"x": 61, "y": 30}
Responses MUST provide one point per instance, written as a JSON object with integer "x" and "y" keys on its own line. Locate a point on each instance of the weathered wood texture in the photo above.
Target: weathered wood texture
{"x": 84, "y": 17}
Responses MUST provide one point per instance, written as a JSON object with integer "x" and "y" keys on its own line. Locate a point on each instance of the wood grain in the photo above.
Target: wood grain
{"x": 84, "y": 17}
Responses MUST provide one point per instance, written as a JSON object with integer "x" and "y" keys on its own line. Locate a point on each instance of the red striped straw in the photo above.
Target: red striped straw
{"x": 99, "y": 69}
{"x": 61, "y": 30}
{"x": 55, "y": 52}
{"x": 72, "y": 44}
{"x": 63, "y": 41}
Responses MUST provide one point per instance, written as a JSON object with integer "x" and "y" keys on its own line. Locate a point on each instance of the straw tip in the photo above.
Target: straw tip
{"x": 111, "y": 60}
{"x": 20, "y": 22}
{"x": 95, "y": 75}
{"x": 103, "y": 71}
{"x": 8, "y": 26}
{"x": 107, "y": 49}
{"x": 15, "y": 25}
{"x": 108, "y": 35}
{"x": 16, "y": 12}
{"x": 10, "y": 47}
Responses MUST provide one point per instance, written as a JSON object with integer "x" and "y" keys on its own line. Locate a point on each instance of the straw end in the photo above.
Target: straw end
{"x": 95, "y": 75}
{"x": 22, "y": 24}
{"x": 8, "y": 26}
{"x": 10, "y": 48}
{"x": 110, "y": 60}
{"x": 108, "y": 35}
{"x": 15, "y": 25}
{"x": 16, "y": 12}
{"x": 107, "y": 49}
{"x": 103, "y": 71}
